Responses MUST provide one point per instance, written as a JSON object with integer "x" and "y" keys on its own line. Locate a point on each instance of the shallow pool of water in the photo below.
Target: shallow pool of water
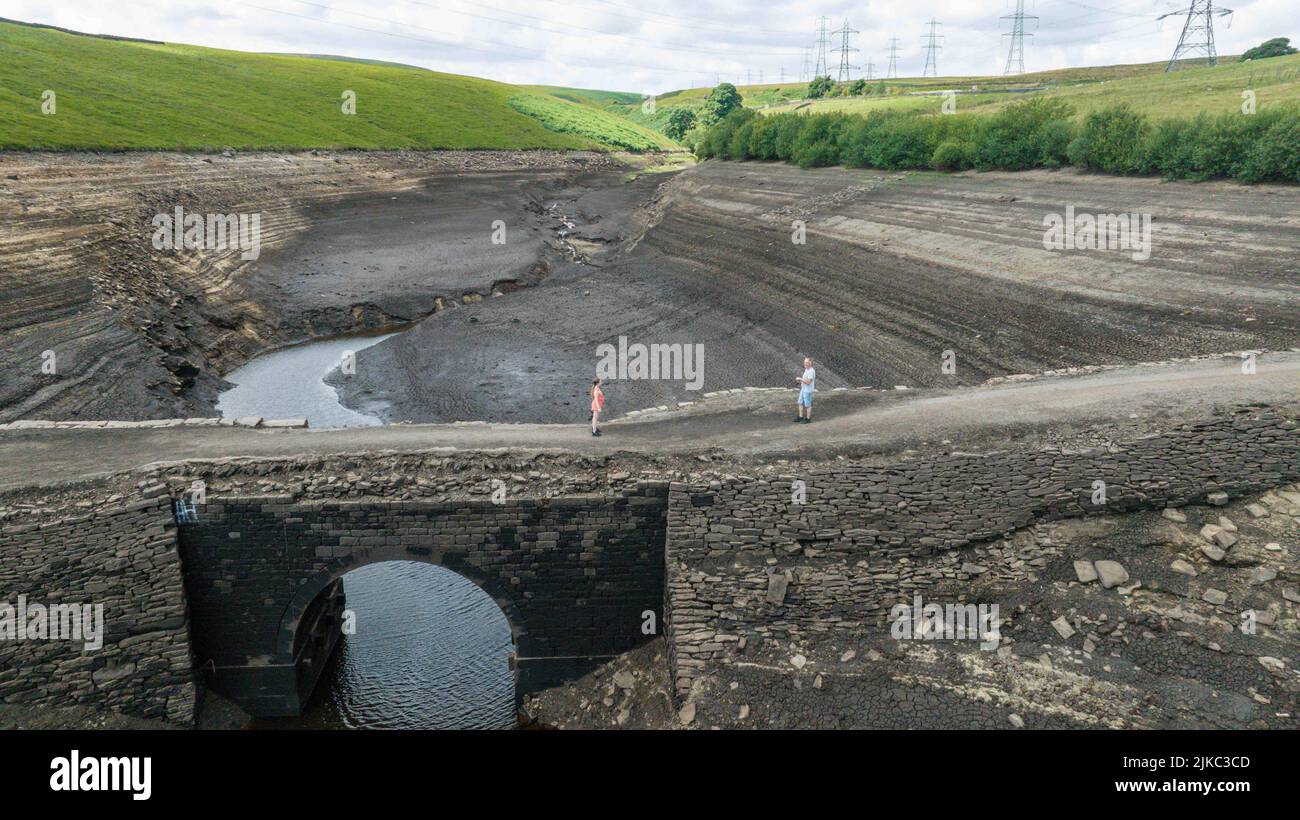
{"x": 290, "y": 383}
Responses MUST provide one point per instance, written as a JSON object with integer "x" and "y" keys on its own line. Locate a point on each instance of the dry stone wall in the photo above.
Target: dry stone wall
{"x": 749, "y": 557}
{"x": 123, "y": 558}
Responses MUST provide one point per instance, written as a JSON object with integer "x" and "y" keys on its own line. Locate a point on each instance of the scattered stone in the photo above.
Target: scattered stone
{"x": 1273, "y": 546}
{"x": 848, "y": 656}
{"x": 1292, "y": 595}
{"x": 687, "y": 713}
{"x": 1174, "y": 515}
{"x": 1272, "y": 664}
{"x": 1016, "y": 720}
{"x": 1085, "y": 571}
{"x": 1217, "y": 597}
{"x": 798, "y": 661}
{"x": 1225, "y": 539}
{"x": 1212, "y": 552}
{"x": 1226, "y": 523}
{"x": 1183, "y": 568}
{"x": 1063, "y": 628}
{"x": 624, "y": 680}
{"x": 1257, "y": 510}
{"x": 1210, "y": 530}
{"x": 1262, "y": 575}
{"x": 1217, "y": 499}
{"x": 817, "y": 682}
{"x": 744, "y": 712}
{"x": 1111, "y": 573}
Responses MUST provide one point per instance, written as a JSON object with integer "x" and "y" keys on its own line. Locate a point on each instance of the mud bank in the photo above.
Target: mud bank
{"x": 896, "y": 270}
{"x": 349, "y": 241}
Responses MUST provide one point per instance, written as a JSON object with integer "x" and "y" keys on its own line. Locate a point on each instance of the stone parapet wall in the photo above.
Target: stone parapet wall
{"x": 125, "y": 559}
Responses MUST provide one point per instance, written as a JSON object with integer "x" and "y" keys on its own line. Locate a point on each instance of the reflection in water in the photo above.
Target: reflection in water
{"x": 430, "y": 652}
{"x": 290, "y": 384}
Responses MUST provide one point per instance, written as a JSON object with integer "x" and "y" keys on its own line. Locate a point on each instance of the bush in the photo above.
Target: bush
{"x": 1276, "y": 153}
{"x": 1170, "y": 148}
{"x": 820, "y": 87}
{"x": 818, "y": 143}
{"x": 1030, "y": 134}
{"x": 1111, "y": 140}
{"x": 1033, "y": 134}
{"x": 1277, "y": 47}
{"x": 952, "y": 155}
{"x": 1224, "y": 148}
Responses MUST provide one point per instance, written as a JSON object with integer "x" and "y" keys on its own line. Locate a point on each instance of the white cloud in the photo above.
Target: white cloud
{"x": 628, "y": 45}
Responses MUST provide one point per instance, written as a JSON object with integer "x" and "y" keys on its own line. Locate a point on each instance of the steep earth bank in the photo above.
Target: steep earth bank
{"x": 349, "y": 241}
{"x": 896, "y": 270}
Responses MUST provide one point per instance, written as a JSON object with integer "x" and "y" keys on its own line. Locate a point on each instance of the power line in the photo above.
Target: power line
{"x": 1016, "y": 56}
{"x": 845, "y": 67}
{"x": 931, "y": 46}
{"x": 892, "y": 72}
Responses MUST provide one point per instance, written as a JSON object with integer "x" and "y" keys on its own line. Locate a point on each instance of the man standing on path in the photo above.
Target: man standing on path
{"x": 807, "y": 384}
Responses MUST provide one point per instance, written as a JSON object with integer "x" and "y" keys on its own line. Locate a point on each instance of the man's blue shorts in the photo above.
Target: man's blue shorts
{"x": 805, "y": 398}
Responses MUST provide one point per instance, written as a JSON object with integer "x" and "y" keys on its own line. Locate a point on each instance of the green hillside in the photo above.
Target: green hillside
{"x": 1144, "y": 86}
{"x": 117, "y": 94}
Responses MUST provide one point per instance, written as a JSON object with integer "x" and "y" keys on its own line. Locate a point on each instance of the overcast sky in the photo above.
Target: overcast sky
{"x": 651, "y": 47}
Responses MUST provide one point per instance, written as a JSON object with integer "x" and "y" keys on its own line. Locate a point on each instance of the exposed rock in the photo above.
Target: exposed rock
{"x": 1111, "y": 573}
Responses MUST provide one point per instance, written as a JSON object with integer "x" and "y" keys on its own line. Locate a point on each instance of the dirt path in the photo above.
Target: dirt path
{"x": 1068, "y": 411}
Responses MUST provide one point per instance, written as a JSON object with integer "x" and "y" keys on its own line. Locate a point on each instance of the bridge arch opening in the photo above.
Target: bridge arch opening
{"x": 401, "y": 643}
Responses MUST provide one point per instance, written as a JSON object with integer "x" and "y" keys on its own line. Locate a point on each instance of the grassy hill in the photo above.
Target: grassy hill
{"x": 1145, "y": 86}
{"x": 116, "y": 94}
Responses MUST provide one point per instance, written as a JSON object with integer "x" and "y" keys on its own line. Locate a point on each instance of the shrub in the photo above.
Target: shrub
{"x": 1276, "y": 152}
{"x": 1170, "y": 148}
{"x": 818, "y": 143}
{"x": 952, "y": 155}
{"x": 1277, "y": 47}
{"x": 1030, "y": 134}
{"x": 820, "y": 87}
{"x": 1111, "y": 140}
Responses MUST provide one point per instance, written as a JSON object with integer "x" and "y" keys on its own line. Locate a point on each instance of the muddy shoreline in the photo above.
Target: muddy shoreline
{"x": 139, "y": 333}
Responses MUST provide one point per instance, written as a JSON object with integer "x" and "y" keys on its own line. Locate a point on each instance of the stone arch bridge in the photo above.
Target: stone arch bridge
{"x": 573, "y": 576}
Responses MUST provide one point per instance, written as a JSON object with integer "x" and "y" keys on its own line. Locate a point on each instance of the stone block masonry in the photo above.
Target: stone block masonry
{"x": 574, "y": 577}
{"x": 746, "y": 560}
{"x": 124, "y": 558}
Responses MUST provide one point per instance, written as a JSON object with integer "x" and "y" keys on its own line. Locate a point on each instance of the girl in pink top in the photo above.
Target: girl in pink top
{"x": 597, "y": 404}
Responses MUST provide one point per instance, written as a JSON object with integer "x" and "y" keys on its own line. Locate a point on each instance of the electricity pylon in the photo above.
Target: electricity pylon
{"x": 1198, "y": 32}
{"x": 1016, "y": 56}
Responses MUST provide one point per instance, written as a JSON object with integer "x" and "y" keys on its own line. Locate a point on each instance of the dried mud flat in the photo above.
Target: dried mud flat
{"x": 896, "y": 270}
{"x": 141, "y": 333}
